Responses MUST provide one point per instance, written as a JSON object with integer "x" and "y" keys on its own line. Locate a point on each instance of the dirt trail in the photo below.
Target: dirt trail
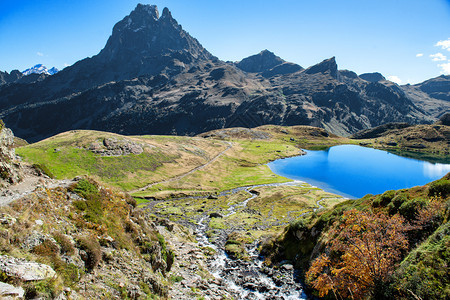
{"x": 185, "y": 174}
{"x": 30, "y": 182}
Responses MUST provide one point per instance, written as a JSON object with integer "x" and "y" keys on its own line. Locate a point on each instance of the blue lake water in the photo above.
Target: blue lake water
{"x": 354, "y": 171}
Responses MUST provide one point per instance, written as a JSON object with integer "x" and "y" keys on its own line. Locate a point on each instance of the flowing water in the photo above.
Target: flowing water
{"x": 250, "y": 279}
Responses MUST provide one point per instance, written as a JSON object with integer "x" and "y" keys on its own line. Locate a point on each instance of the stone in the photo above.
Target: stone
{"x": 7, "y": 290}
{"x": 6, "y": 219}
{"x": 25, "y": 270}
{"x": 215, "y": 215}
{"x": 288, "y": 267}
{"x": 36, "y": 238}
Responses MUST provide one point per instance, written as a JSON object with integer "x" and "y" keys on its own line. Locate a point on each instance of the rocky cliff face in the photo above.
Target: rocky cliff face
{"x": 153, "y": 77}
{"x": 9, "y": 167}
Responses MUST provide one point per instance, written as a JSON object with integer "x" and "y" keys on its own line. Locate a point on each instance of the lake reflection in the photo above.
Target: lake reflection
{"x": 355, "y": 171}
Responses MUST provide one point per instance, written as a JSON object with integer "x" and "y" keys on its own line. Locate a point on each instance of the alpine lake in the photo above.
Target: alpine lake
{"x": 354, "y": 171}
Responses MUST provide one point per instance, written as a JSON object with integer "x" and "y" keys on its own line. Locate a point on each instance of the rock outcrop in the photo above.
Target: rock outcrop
{"x": 10, "y": 172}
{"x": 25, "y": 270}
{"x": 115, "y": 147}
{"x": 8, "y": 291}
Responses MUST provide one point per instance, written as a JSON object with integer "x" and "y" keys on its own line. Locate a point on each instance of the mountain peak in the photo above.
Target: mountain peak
{"x": 150, "y": 10}
{"x": 263, "y": 61}
{"x": 140, "y": 39}
{"x": 326, "y": 66}
{"x": 40, "y": 69}
{"x": 372, "y": 77}
{"x": 166, "y": 13}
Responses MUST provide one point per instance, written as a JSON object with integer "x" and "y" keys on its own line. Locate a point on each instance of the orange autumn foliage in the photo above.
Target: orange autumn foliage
{"x": 361, "y": 256}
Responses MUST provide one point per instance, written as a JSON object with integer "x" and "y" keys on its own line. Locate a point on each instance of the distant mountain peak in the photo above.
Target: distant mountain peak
{"x": 326, "y": 66}
{"x": 40, "y": 69}
{"x": 263, "y": 61}
{"x": 372, "y": 77}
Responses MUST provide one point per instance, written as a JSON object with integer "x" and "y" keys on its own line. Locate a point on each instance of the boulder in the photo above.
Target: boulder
{"x": 25, "y": 270}
{"x": 7, "y": 290}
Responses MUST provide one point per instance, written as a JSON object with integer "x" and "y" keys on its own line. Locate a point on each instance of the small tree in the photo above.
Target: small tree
{"x": 362, "y": 255}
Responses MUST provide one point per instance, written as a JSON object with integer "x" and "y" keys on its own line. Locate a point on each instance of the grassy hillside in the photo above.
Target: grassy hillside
{"x": 240, "y": 159}
{"x": 426, "y": 142}
{"x": 69, "y": 154}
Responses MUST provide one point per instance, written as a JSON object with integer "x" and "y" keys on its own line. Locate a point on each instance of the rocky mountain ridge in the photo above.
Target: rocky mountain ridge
{"x": 153, "y": 77}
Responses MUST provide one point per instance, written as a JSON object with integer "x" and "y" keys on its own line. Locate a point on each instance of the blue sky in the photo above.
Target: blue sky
{"x": 408, "y": 39}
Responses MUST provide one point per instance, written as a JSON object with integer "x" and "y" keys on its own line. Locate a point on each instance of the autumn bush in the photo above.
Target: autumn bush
{"x": 361, "y": 258}
{"x": 91, "y": 246}
{"x": 64, "y": 242}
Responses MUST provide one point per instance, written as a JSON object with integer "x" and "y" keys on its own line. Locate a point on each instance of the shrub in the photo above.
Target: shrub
{"x": 2, "y": 124}
{"x": 80, "y": 205}
{"x": 440, "y": 188}
{"x": 298, "y": 225}
{"x": 91, "y": 246}
{"x": 47, "y": 248}
{"x": 65, "y": 243}
{"x": 85, "y": 188}
{"x": 409, "y": 209}
{"x": 396, "y": 202}
{"x": 386, "y": 197}
{"x": 130, "y": 200}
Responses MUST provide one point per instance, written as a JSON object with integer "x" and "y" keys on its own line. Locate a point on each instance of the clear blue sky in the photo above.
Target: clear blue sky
{"x": 394, "y": 37}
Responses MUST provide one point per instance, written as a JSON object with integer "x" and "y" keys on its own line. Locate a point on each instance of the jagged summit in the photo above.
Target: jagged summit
{"x": 144, "y": 34}
{"x": 141, "y": 44}
{"x": 326, "y": 66}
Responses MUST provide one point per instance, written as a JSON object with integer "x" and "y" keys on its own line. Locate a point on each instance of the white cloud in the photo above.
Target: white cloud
{"x": 66, "y": 65}
{"x": 395, "y": 79}
{"x": 438, "y": 57}
{"x": 39, "y": 54}
{"x": 444, "y": 44}
{"x": 419, "y": 54}
{"x": 445, "y": 68}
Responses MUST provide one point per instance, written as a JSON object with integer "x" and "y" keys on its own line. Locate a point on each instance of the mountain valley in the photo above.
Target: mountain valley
{"x": 142, "y": 173}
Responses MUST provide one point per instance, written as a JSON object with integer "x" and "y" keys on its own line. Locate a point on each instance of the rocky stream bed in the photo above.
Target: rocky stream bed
{"x": 240, "y": 278}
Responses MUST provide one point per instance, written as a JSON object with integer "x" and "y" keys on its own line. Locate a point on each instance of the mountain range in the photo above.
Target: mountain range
{"x": 152, "y": 77}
